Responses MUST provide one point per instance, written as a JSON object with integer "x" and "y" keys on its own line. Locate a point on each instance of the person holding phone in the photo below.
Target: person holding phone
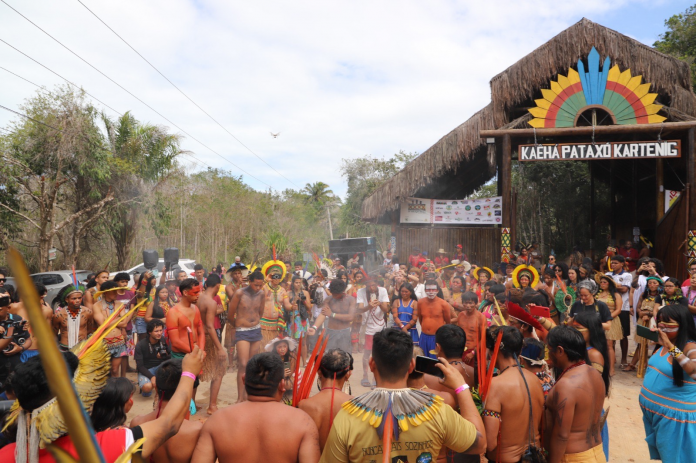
{"x": 668, "y": 396}
{"x": 373, "y": 305}
{"x": 285, "y": 347}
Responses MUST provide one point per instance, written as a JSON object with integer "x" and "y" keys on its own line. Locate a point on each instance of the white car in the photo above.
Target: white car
{"x": 184, "y": 264}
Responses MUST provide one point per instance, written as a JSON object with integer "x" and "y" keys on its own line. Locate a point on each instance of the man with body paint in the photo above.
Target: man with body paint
{"x": 433, "y": 312}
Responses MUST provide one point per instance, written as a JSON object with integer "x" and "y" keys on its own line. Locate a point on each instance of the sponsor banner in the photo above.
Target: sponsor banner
{"x": 485, "y": 211}
{"x": 592, "y": 151}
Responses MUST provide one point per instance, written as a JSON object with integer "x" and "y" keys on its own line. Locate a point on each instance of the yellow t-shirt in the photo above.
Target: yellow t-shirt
{"x": 354, "y": 440}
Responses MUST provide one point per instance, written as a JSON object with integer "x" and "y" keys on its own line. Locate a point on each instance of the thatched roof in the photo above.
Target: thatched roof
{"x": 435, "y": 171}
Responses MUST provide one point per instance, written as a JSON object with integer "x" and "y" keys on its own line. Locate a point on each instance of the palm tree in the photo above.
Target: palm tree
{"x": 145, "y": 155}
{"x": 318, "y": 194}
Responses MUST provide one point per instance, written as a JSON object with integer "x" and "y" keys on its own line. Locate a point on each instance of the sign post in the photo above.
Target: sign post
{"x": 52, "y": 254}
{"x": 592, "y": 151}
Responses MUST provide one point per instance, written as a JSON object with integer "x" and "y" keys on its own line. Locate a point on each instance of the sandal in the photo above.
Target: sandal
{"x": 629, "y": 367}
{"x": 365, "y": 383}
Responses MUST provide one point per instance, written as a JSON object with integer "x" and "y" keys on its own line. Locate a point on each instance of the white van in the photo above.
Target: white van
{"x": 184, "y": 264}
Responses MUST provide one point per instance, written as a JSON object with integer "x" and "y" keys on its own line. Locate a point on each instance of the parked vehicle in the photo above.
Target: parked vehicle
{"x": 184, "y": 264}
{"x": 56, "y": 280}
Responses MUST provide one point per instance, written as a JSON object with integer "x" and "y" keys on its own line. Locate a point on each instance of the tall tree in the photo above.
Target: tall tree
{"x": 680, "y": 39}
{"x": 55, "y": 160}
{"x": 144, "y": 156}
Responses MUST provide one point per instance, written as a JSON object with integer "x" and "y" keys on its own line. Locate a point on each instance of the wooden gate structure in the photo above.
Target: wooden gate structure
{"x": 590, "y": 94}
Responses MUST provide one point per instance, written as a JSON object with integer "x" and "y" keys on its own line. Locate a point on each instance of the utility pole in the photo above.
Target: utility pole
{"x": 328, "y": 209}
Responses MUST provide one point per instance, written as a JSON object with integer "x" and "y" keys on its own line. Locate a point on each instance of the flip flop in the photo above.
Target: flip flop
{"x": 365, "y": 383}
{"x": 629, "y": 367}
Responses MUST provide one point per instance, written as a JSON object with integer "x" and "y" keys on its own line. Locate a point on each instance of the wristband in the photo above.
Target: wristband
{"x": 461, "y": 388}
{"x": 333, "y": 315}
{"x": 188, "y": 374}
{"x": 315, "y": 327}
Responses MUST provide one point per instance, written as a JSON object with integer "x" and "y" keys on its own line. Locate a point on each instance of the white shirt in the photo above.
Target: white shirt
{"x": 420, "y": 290}
{"x": 623, "y": 279}
{"x": 374, "y": 318}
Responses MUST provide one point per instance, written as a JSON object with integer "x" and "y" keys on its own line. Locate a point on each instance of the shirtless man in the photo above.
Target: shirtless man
{"x": 32, "y": 350}
{"x": 471, "y": 321}
{"x": 116, "y": 338}
{"x": 179, "y": 448}
{"x": 449, "y": 344}
{"x": 245, "y": 310}
{"x": 184, "y": 325}
{"x": 275, "y": 302}
{"x": 335, "y": 362}
{"x": 73, "y": 322}
{"x": 262, "y": 428}
{"x": 507, "y": 403}
{"x": 574, "y": 406}
{"x": 215, "y": 364}
{"x": 340, "y": 310}
{"x": 237, "y": 282}
{"x": 433, "y": 312}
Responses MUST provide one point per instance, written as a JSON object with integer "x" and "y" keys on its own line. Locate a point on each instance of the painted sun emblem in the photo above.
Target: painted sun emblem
{"x": 622, "y": 95}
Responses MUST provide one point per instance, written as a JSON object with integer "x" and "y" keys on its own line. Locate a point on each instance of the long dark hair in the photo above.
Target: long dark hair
{"x": 109, "y": 409}
{"x": 408, "y": 286}
{"x": 598, "y": 340}
{"x": 157, "y": 299}
{"x": 612, "y": 291}
{"x": 687, "y": 332}
{"x": 564, "y": 270}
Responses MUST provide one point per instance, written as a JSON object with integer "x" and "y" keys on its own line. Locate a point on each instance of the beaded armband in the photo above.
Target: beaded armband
{"x": 490, "y": 413}
{"x": 676, "y": 353}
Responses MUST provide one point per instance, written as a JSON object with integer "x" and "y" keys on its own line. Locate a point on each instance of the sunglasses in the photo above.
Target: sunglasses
{"x": 2, "y": 280}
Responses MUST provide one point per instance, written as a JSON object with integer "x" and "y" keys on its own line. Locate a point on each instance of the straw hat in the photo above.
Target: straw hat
{"x": 440, "y": 251}
{"x": 292, "y": 345}
{"x": 602, "y": 276}
{"x": 463, "y": 263}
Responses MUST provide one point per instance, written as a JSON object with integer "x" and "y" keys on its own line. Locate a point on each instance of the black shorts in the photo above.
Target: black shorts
{"x": 625, "y": 318}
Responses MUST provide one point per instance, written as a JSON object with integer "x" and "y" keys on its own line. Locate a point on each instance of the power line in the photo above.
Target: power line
{"x": 134, "y": 96}
{"x": 54, "y": 72}
{"x": 195, "y": 159}
{"x": 182, "y": 92}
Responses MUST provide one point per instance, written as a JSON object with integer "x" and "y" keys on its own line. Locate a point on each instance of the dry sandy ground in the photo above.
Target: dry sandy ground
{"x": 626, "y": 431}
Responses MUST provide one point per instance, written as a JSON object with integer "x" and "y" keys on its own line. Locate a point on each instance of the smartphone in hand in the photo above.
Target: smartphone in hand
{"x": 427, "y": 365}
{"x": 647, "y": 333}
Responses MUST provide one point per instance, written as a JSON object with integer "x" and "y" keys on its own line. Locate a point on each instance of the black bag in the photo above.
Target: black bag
{"x": 171, "y": 257}
{"x": 150, "y": 258}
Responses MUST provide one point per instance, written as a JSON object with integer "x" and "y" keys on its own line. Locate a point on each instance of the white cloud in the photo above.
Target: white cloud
{"x": 337, "y": 80}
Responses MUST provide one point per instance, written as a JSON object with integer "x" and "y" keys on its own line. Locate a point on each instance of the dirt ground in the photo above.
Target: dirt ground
{"x": 626, "y": 433}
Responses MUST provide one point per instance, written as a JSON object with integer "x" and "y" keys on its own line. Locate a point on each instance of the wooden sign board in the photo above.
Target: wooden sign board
{"x": 592, "y": 151}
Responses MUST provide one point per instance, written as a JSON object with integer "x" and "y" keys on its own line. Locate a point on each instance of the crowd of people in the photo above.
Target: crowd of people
{"x": 521, "y": 355}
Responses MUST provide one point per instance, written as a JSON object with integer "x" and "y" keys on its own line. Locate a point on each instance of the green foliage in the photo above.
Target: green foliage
{"x": 364, "y": 175}
{"x": 680, "y": 39}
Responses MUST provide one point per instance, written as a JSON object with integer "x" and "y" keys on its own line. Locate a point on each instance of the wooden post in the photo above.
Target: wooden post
{"x": 690, "y": 174}
{"x": 612, "y": 195}
{"x": 659, "y": 186}
{"x": 507, "y": 182}
{"x": 592, "y": 212}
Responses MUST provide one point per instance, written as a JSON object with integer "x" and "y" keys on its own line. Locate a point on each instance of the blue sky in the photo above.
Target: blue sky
{"x": 338, "y": 80}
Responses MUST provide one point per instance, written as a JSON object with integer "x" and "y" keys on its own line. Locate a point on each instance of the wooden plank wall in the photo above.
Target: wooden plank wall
{"x": 481, "y": 245}
{"x": 670, "y": 234}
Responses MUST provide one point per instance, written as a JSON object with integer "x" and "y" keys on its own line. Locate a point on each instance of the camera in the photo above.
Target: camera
{"x": 18, "y": 325}
{"x": 161, "y": 351}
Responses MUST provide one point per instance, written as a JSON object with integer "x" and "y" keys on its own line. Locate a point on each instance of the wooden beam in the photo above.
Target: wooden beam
{"x": 659, "y": 186}
{"x": 597, "y": 130}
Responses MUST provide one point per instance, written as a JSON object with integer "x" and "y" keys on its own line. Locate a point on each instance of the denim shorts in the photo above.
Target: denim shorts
{"x": 142, "y": 380}
{"x": 140, "y": 325}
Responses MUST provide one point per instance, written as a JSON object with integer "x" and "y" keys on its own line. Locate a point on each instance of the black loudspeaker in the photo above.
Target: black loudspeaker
{"x": 171, "y": 257}
{"x": 150, "y": 258}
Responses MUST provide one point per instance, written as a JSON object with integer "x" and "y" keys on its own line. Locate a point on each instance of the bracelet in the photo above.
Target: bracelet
{"x": 676, "y": 353}
{"x": 188, "y": 374}
{"x": 315, "y": 327}
{"x": 333, "y": 315}
{"x": 461, "y": 388}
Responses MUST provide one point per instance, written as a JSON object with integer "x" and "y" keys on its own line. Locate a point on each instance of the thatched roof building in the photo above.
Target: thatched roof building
{"x": 437, "y": 172}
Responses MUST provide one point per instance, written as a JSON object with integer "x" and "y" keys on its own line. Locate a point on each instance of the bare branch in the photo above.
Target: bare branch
{"x": 108, "y": 198}
{"x": 21, "y": 215}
